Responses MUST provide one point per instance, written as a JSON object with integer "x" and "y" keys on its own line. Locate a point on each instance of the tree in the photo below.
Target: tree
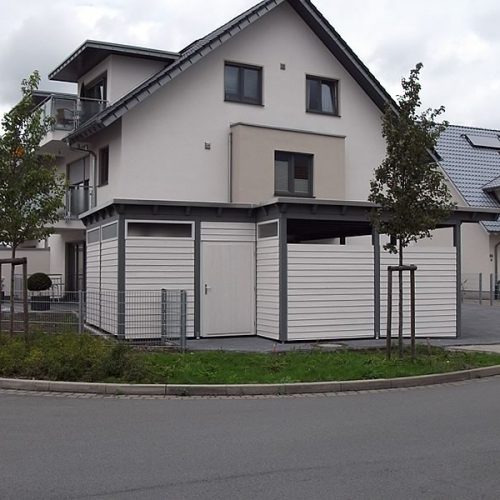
{"x": 31, "y": 190}
{"x": 408, "y": 187}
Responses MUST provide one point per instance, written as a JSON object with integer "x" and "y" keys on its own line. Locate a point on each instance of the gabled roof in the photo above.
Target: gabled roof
{"x": 474, "y": 171}
{"x": 92, "y": 52}
{"x": 200, "y": 48}
{"x": 493, "y": 185}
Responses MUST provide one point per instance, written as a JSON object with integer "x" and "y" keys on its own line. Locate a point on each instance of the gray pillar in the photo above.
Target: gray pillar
{"x": 197, "y": 279}
{"x": 283, "y": 279}
{"x": 457, "y": 243}
{"x": 121, "y": 295}
{"x": 376, "y": 281}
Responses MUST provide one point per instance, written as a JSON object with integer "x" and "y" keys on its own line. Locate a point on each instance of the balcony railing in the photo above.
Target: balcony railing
{"x": 77, "y": 201}
{"x": 69, "y": 113}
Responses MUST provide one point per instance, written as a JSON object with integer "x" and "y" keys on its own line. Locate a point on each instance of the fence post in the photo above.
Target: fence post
{"x": 480, "y": 288}
{"x": 183, "y": 320}
{"x": 163, "y": 313}
{"x": 80, "y": 312}
{"x": 492, "y": 289}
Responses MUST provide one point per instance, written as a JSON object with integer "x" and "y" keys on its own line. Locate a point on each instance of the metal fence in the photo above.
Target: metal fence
{"x": 144, "y": 317}
{"x": 56, "y": 291}
{"x": 481, "y": 288}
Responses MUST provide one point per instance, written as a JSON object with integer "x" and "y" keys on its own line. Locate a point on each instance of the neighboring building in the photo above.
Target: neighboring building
{"x": 237, "y": 170}
{"x": 471, "y": 159}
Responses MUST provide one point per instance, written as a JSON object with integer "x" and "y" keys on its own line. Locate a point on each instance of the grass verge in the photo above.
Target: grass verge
{"x": 92, "y": 359}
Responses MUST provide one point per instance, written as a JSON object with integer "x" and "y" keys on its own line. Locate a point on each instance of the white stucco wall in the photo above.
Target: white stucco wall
{"x": 163, "y": 138}
{"x": 123, "y": 74}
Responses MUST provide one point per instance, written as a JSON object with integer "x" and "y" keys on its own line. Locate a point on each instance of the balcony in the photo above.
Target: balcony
{"x": 68, "y": 113}
{"x": 77, "y": 201}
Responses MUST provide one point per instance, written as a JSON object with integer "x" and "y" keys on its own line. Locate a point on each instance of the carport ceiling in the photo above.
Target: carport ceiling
{"x": 303, "y": 230}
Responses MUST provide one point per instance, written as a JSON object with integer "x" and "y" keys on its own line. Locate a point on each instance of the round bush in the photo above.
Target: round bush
{"x": 39, "y": 282}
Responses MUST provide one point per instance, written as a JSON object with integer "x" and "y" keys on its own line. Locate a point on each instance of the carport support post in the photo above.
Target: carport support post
{"x": 457, "y": 243}
{"x": 376, "y": 281}
{"x": 120, "y": 294}
{"x": 389, "y": 313}
{"x": 283, "y": 278}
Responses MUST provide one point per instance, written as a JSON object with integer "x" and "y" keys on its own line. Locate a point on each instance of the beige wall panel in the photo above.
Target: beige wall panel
{"x": 253, "y": 162}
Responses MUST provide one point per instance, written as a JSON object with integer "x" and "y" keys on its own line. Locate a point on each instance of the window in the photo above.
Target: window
{"x": 322, "y": 96}
{"x": 268, "y": 230}
{"x": 103, "y": 166}
{"x": 93, "y": 236}
{"x": 159, "y": 230}
{"x": 96, "y": 89}
{"x": 293, "y": 174}
{"x": 243, "y": 83}
{"x": 110, "y": 231}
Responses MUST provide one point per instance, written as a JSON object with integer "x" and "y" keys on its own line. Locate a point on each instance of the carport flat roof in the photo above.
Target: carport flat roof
{"x": 293, "y": 208}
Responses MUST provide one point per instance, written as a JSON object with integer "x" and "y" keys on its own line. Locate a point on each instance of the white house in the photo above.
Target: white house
{"x": 470, "y": 156}
{"x": 237, "y": 170}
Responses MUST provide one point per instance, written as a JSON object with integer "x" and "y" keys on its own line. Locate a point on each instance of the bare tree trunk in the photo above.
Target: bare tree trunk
{"x": 400, "y": 330}
{"x": 12, "y": 282}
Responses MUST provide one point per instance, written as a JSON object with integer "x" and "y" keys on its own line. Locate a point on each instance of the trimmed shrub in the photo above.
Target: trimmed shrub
{"x": 39, "y": 282}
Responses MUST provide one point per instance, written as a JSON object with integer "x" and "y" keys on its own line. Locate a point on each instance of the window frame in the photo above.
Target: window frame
{"x": 104, "y": 226}
{"x": 329, "y": 81}
{"x": 240, "y": 98}
{"x": 101, "y": 80}
{"x": 162, "y": 222}
{"x": 102, "y": 150}
{"x": 291, "y": 174}
{"x": 268, "y": 223}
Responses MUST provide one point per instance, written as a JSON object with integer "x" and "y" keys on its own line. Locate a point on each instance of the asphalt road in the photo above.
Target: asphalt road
{"x": 438, "y": 442}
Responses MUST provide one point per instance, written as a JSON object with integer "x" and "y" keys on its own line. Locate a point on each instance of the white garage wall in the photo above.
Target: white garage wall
{"x": 268, "y": 288}
{"x": 150, "y": 265}
{"x": 435, "y": 292}
{"x": 330, "y": 292}
{"x": 109, "y": 285}
{"x": 93, "y": 282}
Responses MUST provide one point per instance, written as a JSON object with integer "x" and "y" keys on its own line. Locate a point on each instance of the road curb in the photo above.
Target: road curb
{"x": 247, "y": 389}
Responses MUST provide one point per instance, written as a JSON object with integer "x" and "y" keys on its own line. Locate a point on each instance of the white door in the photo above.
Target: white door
{"x": 228, "y": 290}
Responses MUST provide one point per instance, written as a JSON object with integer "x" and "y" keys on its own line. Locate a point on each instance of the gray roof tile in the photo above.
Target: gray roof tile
{"x": 470, "y": 168}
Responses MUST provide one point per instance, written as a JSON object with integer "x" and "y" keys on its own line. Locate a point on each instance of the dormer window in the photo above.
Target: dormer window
{"x": 92, "y": 98}
{"x": 322, "y": 96}
{"x": 96, "y": 89}
{"x": 242, "y": 83}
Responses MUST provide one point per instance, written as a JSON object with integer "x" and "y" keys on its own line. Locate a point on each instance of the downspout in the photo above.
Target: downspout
{"x": 230, "y": 169}
{"x": 94, "y": 172}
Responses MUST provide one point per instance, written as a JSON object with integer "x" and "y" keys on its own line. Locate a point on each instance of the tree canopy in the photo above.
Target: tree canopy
{"x": 408, "y": 186}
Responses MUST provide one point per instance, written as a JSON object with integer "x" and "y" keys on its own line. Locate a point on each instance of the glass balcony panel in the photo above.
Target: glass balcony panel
{"x": 87, "y": 108}
{"x": 77, "y": 200}
{"x": 64, "y": 113}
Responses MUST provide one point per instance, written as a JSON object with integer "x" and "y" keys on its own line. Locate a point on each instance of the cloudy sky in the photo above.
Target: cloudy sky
{"x": 457, "y": 40}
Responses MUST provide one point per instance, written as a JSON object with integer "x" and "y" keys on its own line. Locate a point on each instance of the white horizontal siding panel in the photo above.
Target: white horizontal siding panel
{"x": 268, "y": 288}
{"x": 153, "y": 264}
{"x": 435, "y": 292}
{"x": 330, "y": 292}
{"x": 227, "y": 231}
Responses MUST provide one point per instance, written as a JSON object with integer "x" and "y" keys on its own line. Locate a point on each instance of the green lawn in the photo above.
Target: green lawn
{"x": 92, "y": 359}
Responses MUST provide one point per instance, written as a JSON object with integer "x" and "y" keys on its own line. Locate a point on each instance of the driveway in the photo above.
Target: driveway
{"x": 480, "y": 325}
